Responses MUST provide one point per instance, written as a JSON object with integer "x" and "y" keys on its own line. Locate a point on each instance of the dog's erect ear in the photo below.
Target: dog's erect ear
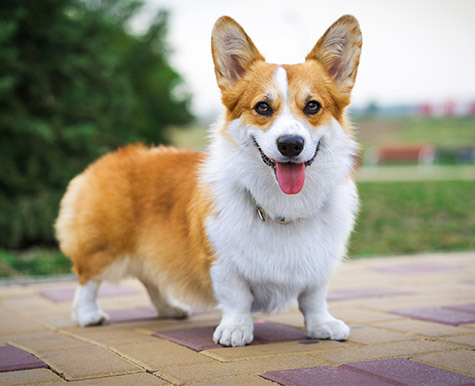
{"x": 338, "y": 50}
{"x": 233, "y": 52}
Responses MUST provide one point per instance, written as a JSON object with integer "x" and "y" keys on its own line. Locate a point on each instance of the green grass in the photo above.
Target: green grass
{"x": 395, "y": 218}
{"x": 445, "y": 132}
{"x": 413, "y": 217}
{"x": 33, "y": 262}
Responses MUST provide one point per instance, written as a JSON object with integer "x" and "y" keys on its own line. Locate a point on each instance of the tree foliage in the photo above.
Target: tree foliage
{"x": 74, "y": 84}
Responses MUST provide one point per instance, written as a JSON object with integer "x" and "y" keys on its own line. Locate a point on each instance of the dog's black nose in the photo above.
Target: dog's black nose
{"x": 290, "y": 145}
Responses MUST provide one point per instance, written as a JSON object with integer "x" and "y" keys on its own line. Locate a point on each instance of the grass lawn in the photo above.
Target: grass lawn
{"x": 395, "y": 218}
{"x": 415, "y": 216}
{"x": 33, "y": 262}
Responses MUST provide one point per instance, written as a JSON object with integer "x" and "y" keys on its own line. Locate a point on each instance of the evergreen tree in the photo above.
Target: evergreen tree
{"x": 74, "y": 84}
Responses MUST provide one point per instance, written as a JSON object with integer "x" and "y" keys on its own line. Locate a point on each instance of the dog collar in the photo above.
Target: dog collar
{"x": 263, "y": 216}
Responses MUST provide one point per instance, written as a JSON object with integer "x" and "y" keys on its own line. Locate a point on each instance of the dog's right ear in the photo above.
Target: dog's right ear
{"x": 233, "y": 52}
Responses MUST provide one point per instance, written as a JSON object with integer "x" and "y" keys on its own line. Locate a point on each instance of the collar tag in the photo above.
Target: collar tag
{"x": 263, "y": 214}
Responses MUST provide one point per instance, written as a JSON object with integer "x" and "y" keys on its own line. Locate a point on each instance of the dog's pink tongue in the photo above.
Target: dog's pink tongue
{"x": 290, "y": 177}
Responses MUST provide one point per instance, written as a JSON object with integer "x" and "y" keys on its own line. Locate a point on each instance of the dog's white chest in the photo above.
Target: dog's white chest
{"x": 278, "y": 261}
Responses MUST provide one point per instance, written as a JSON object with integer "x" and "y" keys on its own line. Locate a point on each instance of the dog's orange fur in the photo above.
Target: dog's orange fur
{"x": 140, "y": 203}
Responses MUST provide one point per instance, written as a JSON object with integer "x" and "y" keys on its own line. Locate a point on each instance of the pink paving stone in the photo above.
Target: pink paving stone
{"x": 127, "y": 315}
{"x": 13, "y": 359}
{"x": 325, "y": 376}
{"x": 362, "y": 293}
{"x": 407, "y": 372}
{"x": 397, "y": 371}
{"x": 462, "y": 307}
{"x": 199, "y": 339}
{"x": 67, "y": 294}
{"x": 439, "y": 315}
{"x": 404, "y": 269}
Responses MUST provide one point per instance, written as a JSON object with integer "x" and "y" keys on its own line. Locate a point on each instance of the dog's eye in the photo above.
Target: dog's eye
{"x": 263, "y": 108}
{"x": 312, "y": 107}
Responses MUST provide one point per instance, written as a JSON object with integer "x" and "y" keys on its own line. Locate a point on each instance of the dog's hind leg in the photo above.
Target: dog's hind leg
{"x": 86, "y": 308}
{"x": 161, "y": 303}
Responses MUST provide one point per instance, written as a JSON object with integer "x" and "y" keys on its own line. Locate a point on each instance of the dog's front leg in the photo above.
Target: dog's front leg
{"x": 319, "y": 323}
{"x": 235, "y": 299}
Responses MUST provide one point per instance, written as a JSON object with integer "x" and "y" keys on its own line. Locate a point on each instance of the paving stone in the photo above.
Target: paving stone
{"x": 468, "y": 340}
{"x": 423, "y": 328}
{"x": 407, "y": 372}
{"x": 13, "y": 359}
{"x": 87, "y": 362}
{"x": 199, "y": 339}
{"x": 124, "y": 380}
{"x": 238, "y": 380}
{"x": 324, "y": 375}
{"x": 67, "y": 293}
{"x": 158, "y": 353}
{"x": 12, "y": 322}
{"x": 463, "y": 307}
{"x": 356, "y": 315}
{"x": 46, "y": 341}
{"x": 358, "y": 293}
{"x": 268, "y": 350}
{"x": 461, "y": 361}
{"x": 382, "y": 351}
{"x": 30, "y": 377}
{"x": 415, "y": 268}
{"x": 439, "y": 315}
{"x": 271, "y": 333}
{"x": 372, "y": 335}
{"x": 256, "y": 366}
{"x": 127, "y": 315}
{"x": 110, "y": 334}
{"x": 32, "y": 304}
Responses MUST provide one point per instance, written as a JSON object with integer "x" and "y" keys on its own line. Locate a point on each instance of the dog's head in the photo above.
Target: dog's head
{"x": 285, "y": 116}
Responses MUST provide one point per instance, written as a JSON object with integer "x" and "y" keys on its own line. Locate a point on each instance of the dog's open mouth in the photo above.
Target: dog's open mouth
{"x": 290, "y": 175}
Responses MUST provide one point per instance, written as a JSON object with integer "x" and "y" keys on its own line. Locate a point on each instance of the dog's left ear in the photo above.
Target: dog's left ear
{"x": 233, "y": 52}
{"x": 339, "y": 50}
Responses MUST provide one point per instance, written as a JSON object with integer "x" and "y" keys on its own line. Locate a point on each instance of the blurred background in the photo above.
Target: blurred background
{"x": 79, "y": 78}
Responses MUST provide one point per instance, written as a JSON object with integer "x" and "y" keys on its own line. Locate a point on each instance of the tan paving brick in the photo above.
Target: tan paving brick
{"x": 422, "y": 327}
{"x": 256, "y": 366}
{"x": 372, "y": 335}
{"x": 87, "y": 362}
{"x": 354, "y": 315}
{"x": 31, "y": 304}
{"x": 45, "y": 341}
{"x": 387, "y": 350}
{"x": 238, "y": 380}
{"x": 467, "y": 340}
{"x": 460, "y": 361}
{"x": 58, "y": 319}
{"x": 274, "y": 349}
{"x": 124, "y": 380}
{"x": 108, "y": 334}
{"x": 158, "y": 353}
{"x": 30, "y": 377}
{"x": 12, "y": 322}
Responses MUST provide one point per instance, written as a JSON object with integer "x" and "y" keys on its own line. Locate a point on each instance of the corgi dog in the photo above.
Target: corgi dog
{"x": 257, "y": 222}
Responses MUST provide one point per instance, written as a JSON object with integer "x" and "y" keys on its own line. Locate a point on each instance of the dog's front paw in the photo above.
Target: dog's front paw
{"x": 90, "y": 317}
{"x": 233, "y": 335}
{"x": 333, "y": 329}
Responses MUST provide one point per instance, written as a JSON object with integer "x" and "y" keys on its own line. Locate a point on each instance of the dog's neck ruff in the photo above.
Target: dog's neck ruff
{"x": 263, "y": 215}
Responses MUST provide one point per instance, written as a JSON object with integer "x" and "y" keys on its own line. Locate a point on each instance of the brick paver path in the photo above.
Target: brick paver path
{"x": 412, "y": 322}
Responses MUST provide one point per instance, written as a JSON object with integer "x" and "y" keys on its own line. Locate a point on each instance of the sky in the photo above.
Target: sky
{"x": 414, "y": 51}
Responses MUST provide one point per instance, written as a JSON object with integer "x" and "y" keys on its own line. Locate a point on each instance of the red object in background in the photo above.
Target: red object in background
{"x": 426, "y": 110}
{"x": 449, "y": 107}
